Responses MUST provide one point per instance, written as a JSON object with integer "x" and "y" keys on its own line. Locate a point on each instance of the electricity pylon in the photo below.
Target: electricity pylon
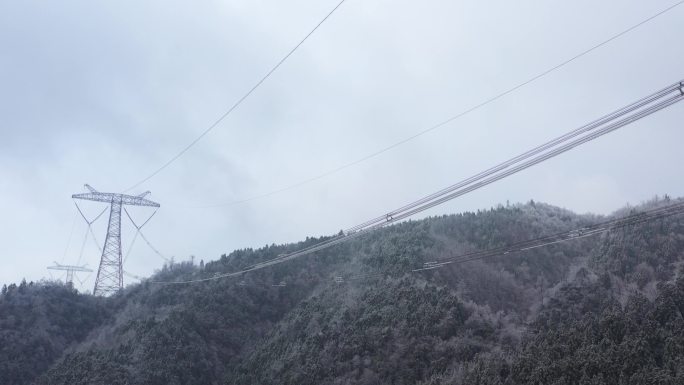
{"x": 110, "y": 273}
{"x": 70, "y": 269}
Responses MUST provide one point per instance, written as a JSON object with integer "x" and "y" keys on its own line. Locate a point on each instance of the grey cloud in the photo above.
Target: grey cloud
{"x": 105, "y": 92}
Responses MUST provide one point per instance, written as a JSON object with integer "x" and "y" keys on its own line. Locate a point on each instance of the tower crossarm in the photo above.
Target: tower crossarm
{"x": 70, "y": 267}
{"x": 128, "y": 200}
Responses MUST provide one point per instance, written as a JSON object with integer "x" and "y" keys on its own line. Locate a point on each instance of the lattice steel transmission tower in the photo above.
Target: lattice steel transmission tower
{"x": 70, "y": 270}
{"x": 110, "y": 273}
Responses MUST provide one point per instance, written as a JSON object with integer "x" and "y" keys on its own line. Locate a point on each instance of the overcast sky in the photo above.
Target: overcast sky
{"x": 105, "y": 92}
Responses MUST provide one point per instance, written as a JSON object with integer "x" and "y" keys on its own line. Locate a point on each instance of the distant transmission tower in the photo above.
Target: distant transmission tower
{"x": 70, "y": 269}
{"x": 110, "y": 273}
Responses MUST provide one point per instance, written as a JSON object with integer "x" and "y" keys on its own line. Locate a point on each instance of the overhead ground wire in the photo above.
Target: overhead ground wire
{"x": 461, "y": 114}
{"x": 237, "y": 103}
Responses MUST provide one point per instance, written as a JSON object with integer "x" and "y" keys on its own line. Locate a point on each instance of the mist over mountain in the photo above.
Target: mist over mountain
{"x": 605, "y": 309}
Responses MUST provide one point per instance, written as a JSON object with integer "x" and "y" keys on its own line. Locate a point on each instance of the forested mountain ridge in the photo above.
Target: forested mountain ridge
{"x": 600, "y": 310}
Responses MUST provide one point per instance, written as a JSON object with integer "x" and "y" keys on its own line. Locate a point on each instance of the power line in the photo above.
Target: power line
{"x": 135, "y": 236}
{"x": 139, "y": 232}
{"x": 71, "y": 234}
{"x": 630, "y": 220}
{"x": 625, "y": 111}
{"x": 452, "y": 118}
{"x": 85, "y": 240}
{"x": 583, "y": 232}
{"x": 548, "y": 155}
{"x": 237, "y": 103}
{"x": 565, "y": 236}
{"x": 139, "y": 278}
{"x": 130, "y": 247}
{"x": 591, "y": 131}
{"x": 609, "y": 123}
{"x": 154, "y": 249}
{"x": 97, "y": 244}
{"x": 88, "y": 230}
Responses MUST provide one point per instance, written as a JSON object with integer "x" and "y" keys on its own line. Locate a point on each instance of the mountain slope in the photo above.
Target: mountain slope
{"x": 38, "y": 322}
{"x": 479, "y": 322}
